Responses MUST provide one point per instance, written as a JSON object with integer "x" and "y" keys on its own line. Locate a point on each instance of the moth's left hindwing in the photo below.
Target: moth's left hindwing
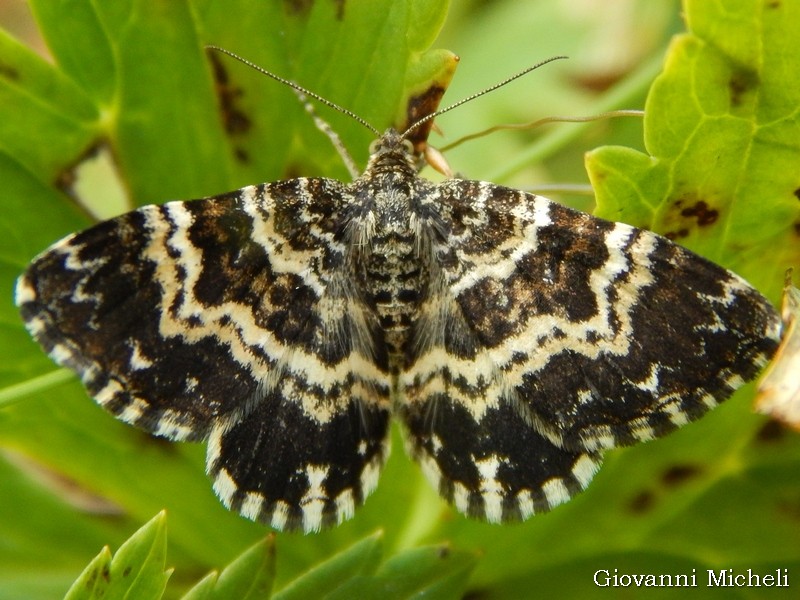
{"x": 228, "y": 317}
{"x": 570, "y": 334}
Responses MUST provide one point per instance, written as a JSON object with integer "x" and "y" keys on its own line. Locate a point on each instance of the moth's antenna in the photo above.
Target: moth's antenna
{"x": 433, "y": 115}
{"x": 297, "y": 88}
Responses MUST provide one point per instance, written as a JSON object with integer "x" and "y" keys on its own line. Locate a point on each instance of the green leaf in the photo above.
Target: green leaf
{"x": 135, "y": 571}
{"x": 42, "y": 556}
{"x": 44, "y": 100}
{"x": 429, "y": 572}
{"x": 144, "y": 68}
{"x": 360, "y": 559}
{"x": 249, "y": 577}
{"x": 722, "y": 129}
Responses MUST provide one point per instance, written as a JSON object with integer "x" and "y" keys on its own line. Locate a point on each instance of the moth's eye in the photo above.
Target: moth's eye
{"x": 408, "y": 146}
{"x": 373, "y": 147}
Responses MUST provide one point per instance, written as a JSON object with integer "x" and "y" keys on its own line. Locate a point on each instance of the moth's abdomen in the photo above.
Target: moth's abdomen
{"x": 395, "y": 280}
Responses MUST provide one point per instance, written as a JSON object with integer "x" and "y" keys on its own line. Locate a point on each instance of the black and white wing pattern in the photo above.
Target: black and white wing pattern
{"x": 229, "y": 319}
{"x": 515, "y": 338}
{"x": 551, "y": 335}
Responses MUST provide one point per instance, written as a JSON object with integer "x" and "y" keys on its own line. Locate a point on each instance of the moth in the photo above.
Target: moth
{"x": 285, "y": 323}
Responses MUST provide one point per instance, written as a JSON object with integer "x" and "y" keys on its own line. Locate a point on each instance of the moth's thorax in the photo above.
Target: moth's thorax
{"x": 393, "y": 276}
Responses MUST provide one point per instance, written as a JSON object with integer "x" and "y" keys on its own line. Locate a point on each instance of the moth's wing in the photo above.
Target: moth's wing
{"x": 229, "y": 317}
{"x": 480, "y": 454}
{"x": 593, "y": 334}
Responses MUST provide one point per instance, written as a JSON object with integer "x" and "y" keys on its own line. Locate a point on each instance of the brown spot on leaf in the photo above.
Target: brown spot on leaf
{"x": 67, "y": 177}
{"x": 676, "y": 235}
{"x": 303, "y": 7}
{"x": 241, "y": 154}
{"x": 8, "y": 72}
{"x": 599, "y": 82}
{"x": 679, "y": 474}
{"x": 797, "y": 193}
{"x": 700, "y": 211}
{"x": 104, "y": 574}
{"x": 292, "y": 171}
{"x": 642, "y": 502}
{"x": 298, "y": 7}
{"x": 686, "y": 213}
{"x": 774, "y": 4}
{"x": 423, "y": 100}
{"x": 739, "y": 84}
{"x": 770, "y": 432}
{"x": 234, "y": 118}
{"x": 418, "y": 107}
{"x": 789, "y": 508}
{"x": 477, "y": 594}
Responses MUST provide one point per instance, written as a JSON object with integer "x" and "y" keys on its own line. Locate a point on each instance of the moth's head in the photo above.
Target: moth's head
{"x": 391, "y": 141}
{"x": 390, "y": 151}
